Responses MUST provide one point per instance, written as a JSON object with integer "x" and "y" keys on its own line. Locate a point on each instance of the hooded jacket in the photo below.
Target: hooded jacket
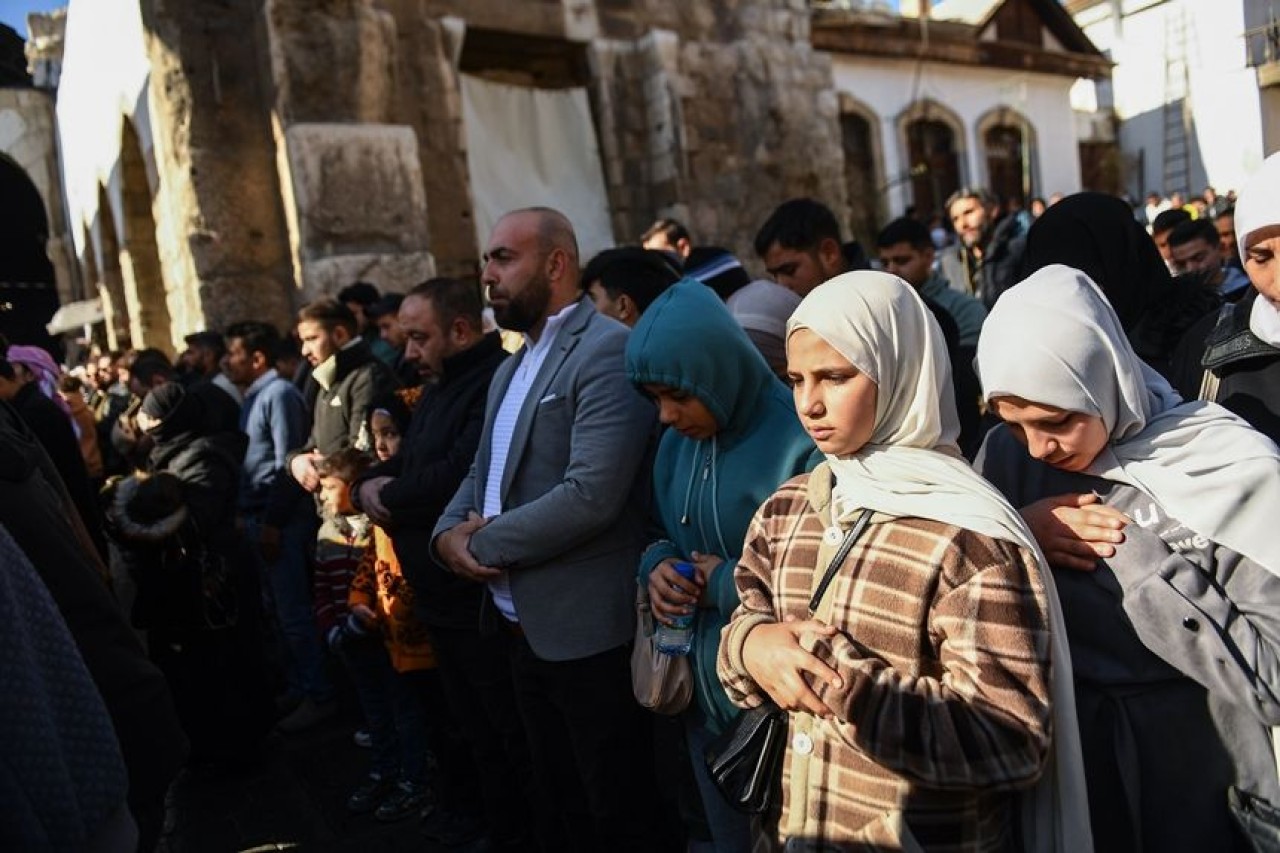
{"x": 706, "y": 491}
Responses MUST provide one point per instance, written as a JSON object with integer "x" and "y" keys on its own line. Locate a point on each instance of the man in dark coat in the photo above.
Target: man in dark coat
{"x": 986, "y": 259}
{"x": 406, "y": 495}
{"x": 348, "y": 377}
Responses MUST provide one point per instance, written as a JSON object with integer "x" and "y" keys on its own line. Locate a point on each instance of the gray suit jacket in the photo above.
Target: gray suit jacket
{"x": 573, "y": 493}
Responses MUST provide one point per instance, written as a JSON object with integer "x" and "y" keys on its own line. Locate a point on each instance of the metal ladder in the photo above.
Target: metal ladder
{"x": 1177, "y": 102}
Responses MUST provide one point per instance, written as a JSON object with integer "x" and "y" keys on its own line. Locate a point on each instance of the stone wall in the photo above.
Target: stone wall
{"x": 292, "y": 147}
{"x": 717, "y": 120}
{"x": 428, "y": 100}
{"x": 713, "y": 111}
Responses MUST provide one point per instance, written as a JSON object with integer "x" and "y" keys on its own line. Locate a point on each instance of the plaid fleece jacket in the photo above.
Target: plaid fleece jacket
{"x": 944, "y": 654}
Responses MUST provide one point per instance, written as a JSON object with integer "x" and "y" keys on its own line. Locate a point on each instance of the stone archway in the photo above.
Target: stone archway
{"x": 28, "y": 293}
{"x": 1009, "y": 154}
{"x": 144, "y": 287}
{"x": 863, "y": 168}
{"x": 933, "y": 138}
{"x": 106, "y": 251}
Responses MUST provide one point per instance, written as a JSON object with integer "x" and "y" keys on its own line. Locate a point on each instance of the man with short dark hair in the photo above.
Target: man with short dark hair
{"x": 277, "y": 518}
{"x": 360, "y": 298}
{"x": 384, "y": 314}
{"x": 984, "y": 262}
{"x": 907, "y": 251}
{"x": 622, "y": 282}
{"x": 551, "y": 518}
{"x": 1195, "y": 247}
{"x": 668, "y": 235}
{"x": 1161, "y": 226}
{"x": 349, "y": 379}
{"x": 800, "y": 245}
{"x": 446, "y": 342}
{"x": 1225, "y": 222}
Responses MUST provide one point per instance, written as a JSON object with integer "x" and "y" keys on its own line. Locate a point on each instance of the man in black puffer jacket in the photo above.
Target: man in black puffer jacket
{"x": 406, "y": 496}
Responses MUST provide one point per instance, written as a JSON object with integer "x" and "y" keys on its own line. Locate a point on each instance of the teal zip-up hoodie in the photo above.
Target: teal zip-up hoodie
{"x": 706, "y": 492}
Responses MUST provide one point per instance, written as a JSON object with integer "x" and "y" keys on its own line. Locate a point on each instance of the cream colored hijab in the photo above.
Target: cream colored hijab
{"x": 1055, "y": 340}
{"x": 913, "y": 467}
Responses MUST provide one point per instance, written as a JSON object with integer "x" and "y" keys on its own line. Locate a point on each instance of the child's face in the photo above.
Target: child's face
{"x": 683, "y": 412}
{"x": 1069, "y": 441}
{"x": 336, "y": 496}
{"x": 836, "y": 402}
{"x": 386, "y": 435}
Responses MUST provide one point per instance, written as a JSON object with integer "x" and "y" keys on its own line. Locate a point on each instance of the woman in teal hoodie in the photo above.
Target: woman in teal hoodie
{"x": 732, "y": 438}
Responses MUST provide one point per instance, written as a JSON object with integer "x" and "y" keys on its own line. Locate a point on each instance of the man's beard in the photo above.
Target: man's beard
{"x": 524, "y": 310}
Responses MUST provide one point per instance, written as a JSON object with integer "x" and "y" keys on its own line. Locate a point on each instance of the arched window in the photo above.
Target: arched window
{"x": 1009, "y": 153}
{"x": 860, "y": 134}
{"x": 934, "y": 162}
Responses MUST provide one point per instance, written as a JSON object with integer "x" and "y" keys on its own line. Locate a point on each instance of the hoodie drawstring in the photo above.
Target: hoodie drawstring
{"x": 709, "y": 470}
{"x": 688, "y": 494}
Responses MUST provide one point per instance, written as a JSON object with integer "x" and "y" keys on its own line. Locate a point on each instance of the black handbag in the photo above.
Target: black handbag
{"x": 745, "y": 762}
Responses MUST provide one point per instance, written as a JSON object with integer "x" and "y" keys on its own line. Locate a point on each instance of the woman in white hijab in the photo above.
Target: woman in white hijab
{"x": 1175, "y": 635}
{"x": 928, "y": 693}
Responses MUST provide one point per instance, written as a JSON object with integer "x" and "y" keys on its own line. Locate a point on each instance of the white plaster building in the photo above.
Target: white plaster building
{"x": 1184, "y": 89}
{"x": 968, "y": 93}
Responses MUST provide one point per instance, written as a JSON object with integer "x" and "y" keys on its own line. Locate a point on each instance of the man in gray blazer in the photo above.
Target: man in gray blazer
{"x": 552, "y": 518}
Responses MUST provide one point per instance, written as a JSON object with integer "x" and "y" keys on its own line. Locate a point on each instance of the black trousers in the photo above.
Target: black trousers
{"x": 475, "y": 671}
{"x": 591, "y": 748}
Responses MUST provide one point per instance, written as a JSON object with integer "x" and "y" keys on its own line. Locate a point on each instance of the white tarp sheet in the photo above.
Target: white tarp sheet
{"x": 531, "y": 147}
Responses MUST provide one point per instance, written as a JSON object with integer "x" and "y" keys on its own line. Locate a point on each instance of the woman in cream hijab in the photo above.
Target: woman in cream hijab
{"x": 928, "y": 693}
{"x": 1175, "y": 634}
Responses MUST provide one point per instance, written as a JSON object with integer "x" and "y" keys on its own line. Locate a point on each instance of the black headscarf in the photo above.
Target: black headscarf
{"x": 1097, "y": 234}
{"x": 181, "y": 415}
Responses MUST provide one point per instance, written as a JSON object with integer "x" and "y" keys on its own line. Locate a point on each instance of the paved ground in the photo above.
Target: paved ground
{"x": 292, "y": 801}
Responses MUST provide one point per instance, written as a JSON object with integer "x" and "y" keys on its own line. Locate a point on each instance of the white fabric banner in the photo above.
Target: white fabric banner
{"x": 530, "y": 147}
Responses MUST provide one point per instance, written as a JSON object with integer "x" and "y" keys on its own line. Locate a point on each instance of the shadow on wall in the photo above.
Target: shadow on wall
{"x": 1142, "y": 137}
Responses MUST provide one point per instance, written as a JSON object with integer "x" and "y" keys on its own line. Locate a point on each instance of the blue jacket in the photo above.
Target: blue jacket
{"x": 274, "y": 417}
{"x": 706, "y": 492}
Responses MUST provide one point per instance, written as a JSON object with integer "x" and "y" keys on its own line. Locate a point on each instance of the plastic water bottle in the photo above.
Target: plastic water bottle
{"x": 677, "y": 638}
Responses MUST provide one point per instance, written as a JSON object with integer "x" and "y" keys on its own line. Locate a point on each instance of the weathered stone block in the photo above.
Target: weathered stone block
{"x": 389, "y": 272}
{"x": 358, "y": 189}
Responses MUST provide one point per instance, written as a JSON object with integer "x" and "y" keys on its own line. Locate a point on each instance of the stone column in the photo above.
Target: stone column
{"x": 220, "y": 231}
{"x": 352, "y": 179}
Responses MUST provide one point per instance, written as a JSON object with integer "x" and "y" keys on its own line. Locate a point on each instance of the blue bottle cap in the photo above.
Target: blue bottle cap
{"x": 686, "y": 570}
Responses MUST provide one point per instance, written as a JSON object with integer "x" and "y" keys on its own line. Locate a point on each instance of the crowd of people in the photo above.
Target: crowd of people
{"x": 984, "y": 515}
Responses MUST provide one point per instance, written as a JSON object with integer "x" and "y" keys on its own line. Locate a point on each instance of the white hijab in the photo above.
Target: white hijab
{"x": 1055, "y": 340}
{"x": 1257, "y": 207}
{"x": 912, "y": 467}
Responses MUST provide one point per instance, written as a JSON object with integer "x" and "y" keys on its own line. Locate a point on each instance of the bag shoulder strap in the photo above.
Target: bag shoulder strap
{"x": 846, "y": 545}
